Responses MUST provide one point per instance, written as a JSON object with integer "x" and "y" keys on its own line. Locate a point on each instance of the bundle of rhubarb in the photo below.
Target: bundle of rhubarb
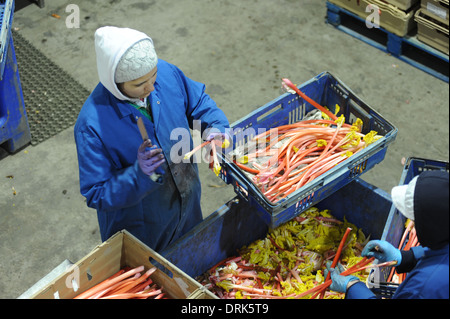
{"x": 290, "y": 261}
{"x": 127, "y": 283}
{"x": 285, "y": 158}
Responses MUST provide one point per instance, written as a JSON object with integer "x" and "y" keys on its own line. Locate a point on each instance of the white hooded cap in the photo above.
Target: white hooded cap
{"x": 123, "y": 55}
{"x": 403, "y": 198}
{"x": 139, "y": 60}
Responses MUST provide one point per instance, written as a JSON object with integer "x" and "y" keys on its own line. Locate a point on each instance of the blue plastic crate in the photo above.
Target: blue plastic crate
{"x": 6, "y": 17}
{"x": 14, "y": 128}
{"x": 236, "y": 224}
{"x": 288, "y": 108}
{"x": 395, "y": 223}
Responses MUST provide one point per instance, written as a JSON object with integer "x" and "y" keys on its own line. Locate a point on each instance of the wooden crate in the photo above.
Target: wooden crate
{"x": 408, "y": 49}
{"x": 432, "y": 32}
{"x": 404, "y": 5}
{"x": 121, "y": 250}
{"x": 437, "y": 9}
{"x": 391, "y": 18}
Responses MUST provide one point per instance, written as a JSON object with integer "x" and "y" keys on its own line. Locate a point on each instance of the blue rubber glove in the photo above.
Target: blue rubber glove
{"x": 382, "y": 250}
{"x": 339, "y": 283}
{"x": 150, "y": 158}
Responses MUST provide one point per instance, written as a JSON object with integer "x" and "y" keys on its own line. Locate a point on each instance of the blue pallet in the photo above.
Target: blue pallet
{"x": 407, "y": 48}
{"x": 237, "y": 224}
{"x": 328, "y": 91}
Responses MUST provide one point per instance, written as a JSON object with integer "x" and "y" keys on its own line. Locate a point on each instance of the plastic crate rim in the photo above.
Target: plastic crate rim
{"x": 316, "y": 78}
{"x": 391, "y": 134}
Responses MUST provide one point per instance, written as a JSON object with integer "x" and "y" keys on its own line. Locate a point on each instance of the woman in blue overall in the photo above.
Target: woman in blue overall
{"x": 425, "y": 201}
{"x": 142, "y": 187}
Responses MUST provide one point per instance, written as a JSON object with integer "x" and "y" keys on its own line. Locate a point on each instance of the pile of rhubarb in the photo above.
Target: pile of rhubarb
{"x": 285, "y": 158}
{"x": 290, "y": 261}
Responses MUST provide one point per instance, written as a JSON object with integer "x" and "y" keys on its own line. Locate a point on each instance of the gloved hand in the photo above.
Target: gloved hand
{"x": 150, "y": 158}
{"x": 223, "y": 137}
{"x": 382, "y": 250}
{"x": 339, "y": 282}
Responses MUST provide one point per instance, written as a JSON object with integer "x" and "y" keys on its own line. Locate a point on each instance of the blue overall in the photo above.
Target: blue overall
{"x": 107, "y": 139}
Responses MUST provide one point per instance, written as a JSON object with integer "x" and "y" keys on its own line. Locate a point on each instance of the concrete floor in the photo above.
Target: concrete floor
{"x": 240, "y": 49}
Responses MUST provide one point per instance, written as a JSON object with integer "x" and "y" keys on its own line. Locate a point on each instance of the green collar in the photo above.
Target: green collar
{"x": 143, "y": 109}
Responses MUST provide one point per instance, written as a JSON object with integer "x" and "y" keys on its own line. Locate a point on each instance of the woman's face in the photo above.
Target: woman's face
{"x": 141, "y": 87}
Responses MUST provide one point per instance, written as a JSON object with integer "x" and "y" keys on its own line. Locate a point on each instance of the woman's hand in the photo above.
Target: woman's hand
{"x": 149, "y": 157}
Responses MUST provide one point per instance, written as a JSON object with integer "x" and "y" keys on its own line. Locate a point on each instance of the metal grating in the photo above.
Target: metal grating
{"x": 52, "y": 97}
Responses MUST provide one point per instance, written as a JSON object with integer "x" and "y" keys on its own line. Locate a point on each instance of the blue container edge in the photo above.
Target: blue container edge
{"x": 195, "y": 257}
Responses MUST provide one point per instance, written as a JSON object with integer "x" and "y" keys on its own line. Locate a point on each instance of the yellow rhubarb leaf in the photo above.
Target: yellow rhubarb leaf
{"x": 217, "y": 169}
{"x": 325, "y": 116}
{"x": 226, "y": 143}
{"x": 321, "y": 143}
{"x": 337, "y": 109}
{"x": 357, "y": 125}
{"x": 348, "y": 154}
{"x": 340, "y": 120}
{"x": 243, "y": 159}
{"x": 369, "y": 138}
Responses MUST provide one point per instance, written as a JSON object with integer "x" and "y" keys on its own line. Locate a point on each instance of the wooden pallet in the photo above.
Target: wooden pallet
{"x": 407, "y": 49}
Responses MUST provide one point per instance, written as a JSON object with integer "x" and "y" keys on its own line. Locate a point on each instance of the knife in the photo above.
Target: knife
{"x": 142, "y": 129}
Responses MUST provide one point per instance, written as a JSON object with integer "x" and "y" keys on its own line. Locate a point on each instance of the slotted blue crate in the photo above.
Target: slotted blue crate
{"x": 328, "y": 91}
